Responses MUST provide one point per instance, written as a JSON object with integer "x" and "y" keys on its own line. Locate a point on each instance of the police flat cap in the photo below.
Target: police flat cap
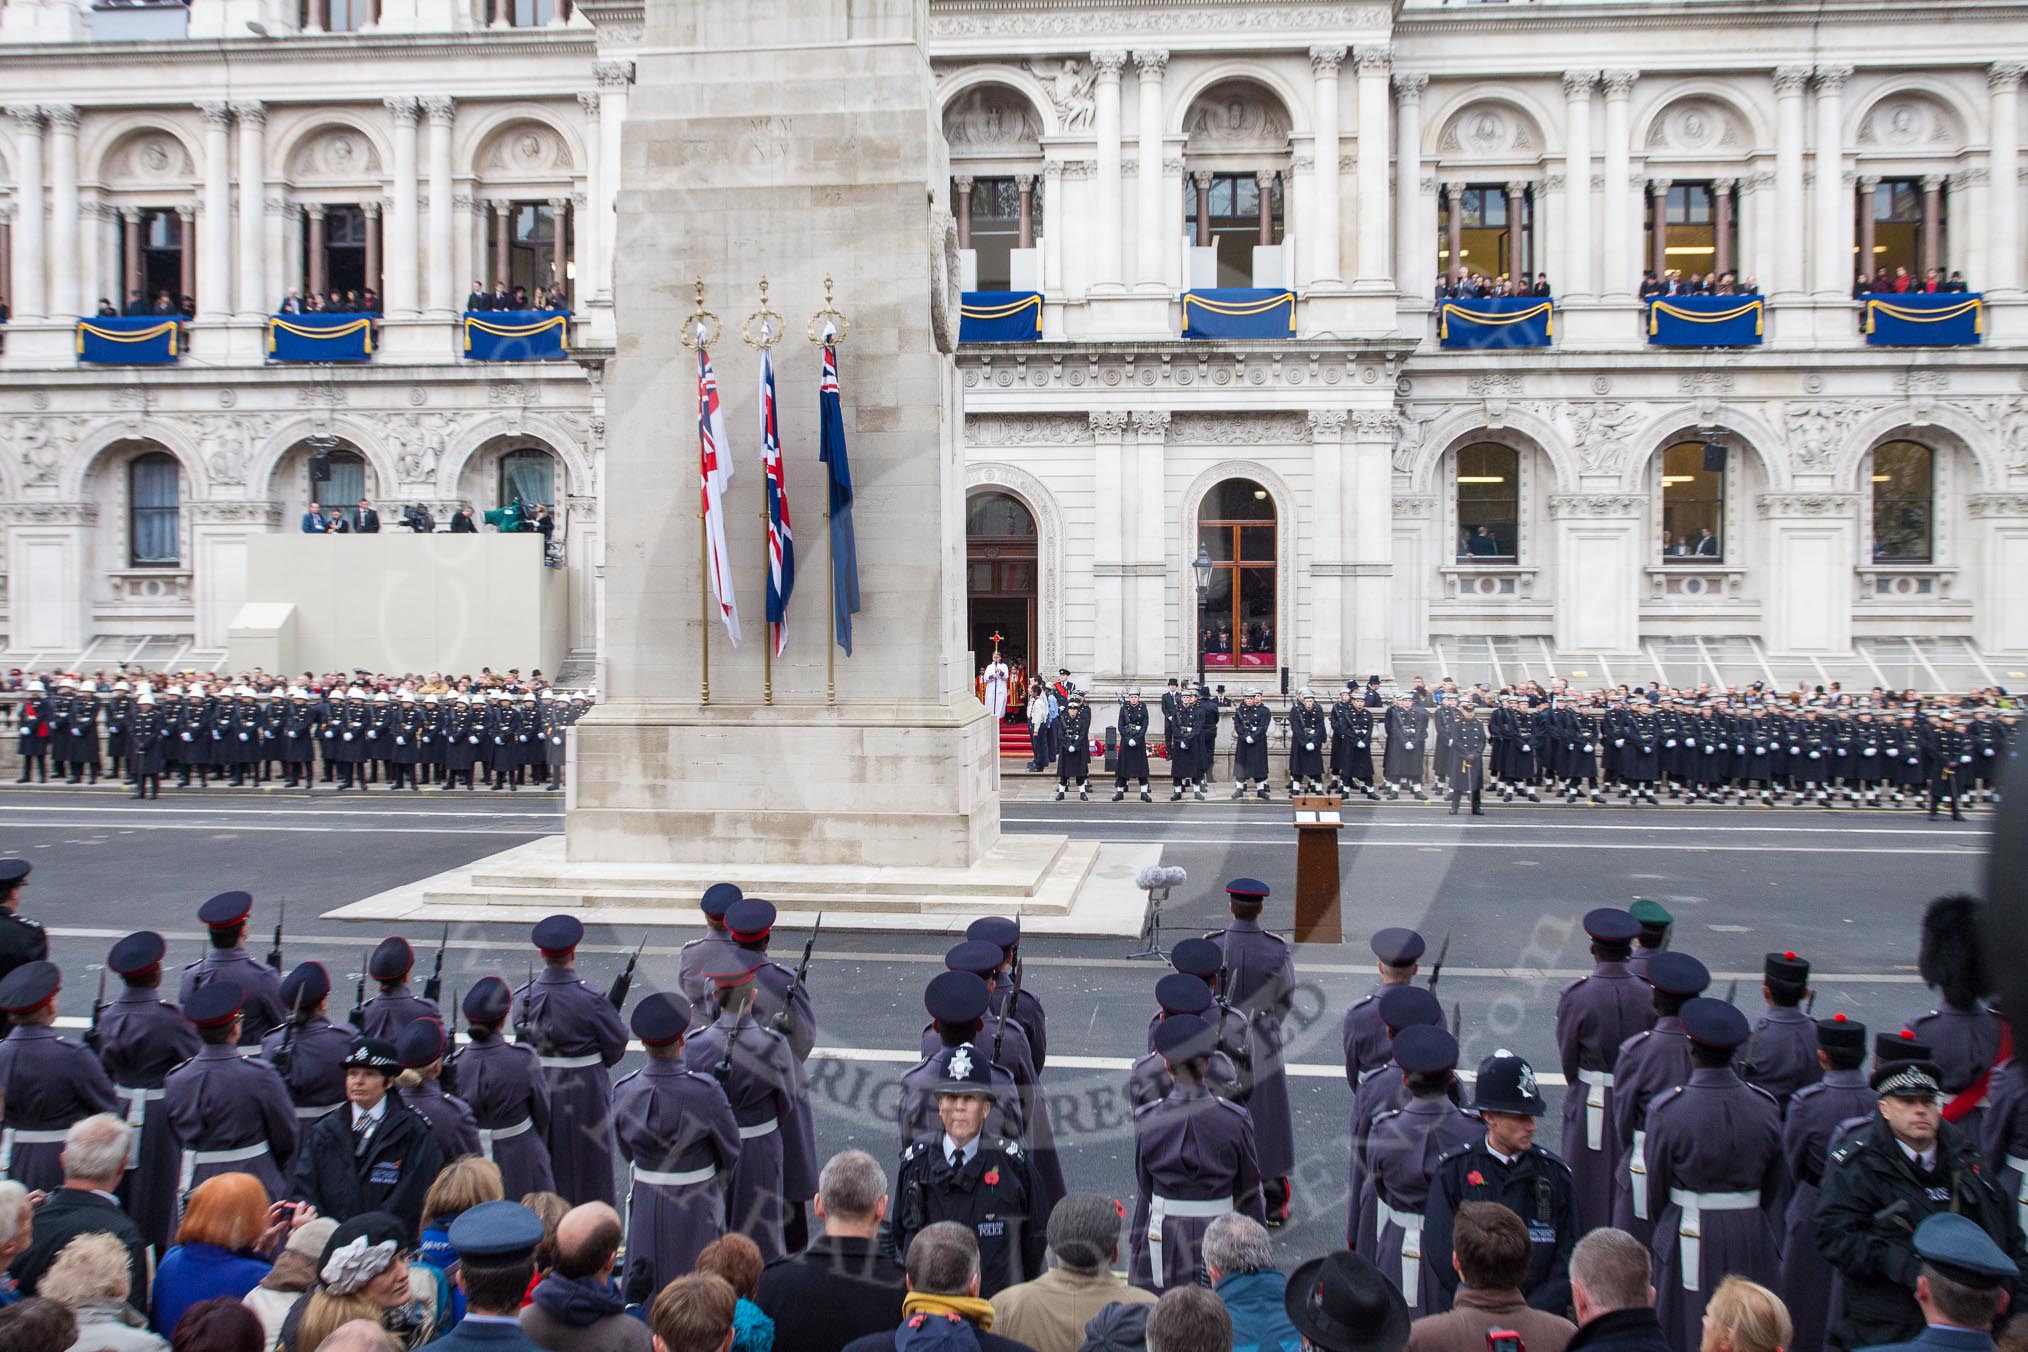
{"x": 661, "y": 1019}
{"x": 1785, "y": 966}
{"x": 557, "y": 933}
{"x": 718, "y": 899}
{"x": 420, "y": 1043}
{"x": 1425, "y": 1049}
{"x": 214, "y": 1004}
{"x": 496, "y": 1234}
{"x": 955, "y": 997}
{"x": 370, "y": 1053}
{"x": 1408, "y": 1007}
{"x": 1611, "y": 925}
{"x": 1181, "y": 993}
{"x": 1678, "y": 974}
{"x": 735, "y": 974}
{"x": 975, "y": 956}
{"x": 966, "y": 1071}
{"x": 306, "y": 986}
{"x": 1715, "y": 1024}
{"x": 1184, "y": 1037}
{"x": 1907, "y": 1079}
{"x": 489, "y": 999}
{"x": 750, "y": 919}
{"x": 392, "y": 958}
{"x": 30, "y": 986}
{"x": 1959, "y": 1247}
{"x": 1247, "y": 889}
{"x": 138, "y": 952}
{"x": 14, "y": 870}
{"x": 1506, "y": 1083}
{"x": 995, "y": 929}
{"x": 1841, "y": 1034}
{"x": 225, "y": 910}
{"x": 1398, "y": 947}
{"x": 1199, "y": 957}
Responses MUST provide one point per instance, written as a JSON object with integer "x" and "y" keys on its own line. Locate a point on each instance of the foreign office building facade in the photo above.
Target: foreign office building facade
{"x": 1347, "y": 491}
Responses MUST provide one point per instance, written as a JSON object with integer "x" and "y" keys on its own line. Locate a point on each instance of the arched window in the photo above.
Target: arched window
{"x": 1236, "y": 610}
{"x": 1904, "y": 501}
{"x": 1489, "y": 501}
{"x": 528, "y": 474}
{"x": 1693, "y": 502}
{"x": 153, "y": 503}
{"x": 1000, "y": 578}
{"x": 343, "y": 484}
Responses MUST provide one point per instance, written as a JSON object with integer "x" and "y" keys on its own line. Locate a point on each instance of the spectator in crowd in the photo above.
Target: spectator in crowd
{"x": 842, "y": 1286}
{"x": 364, "y": 1273}
{"x": 369, "y": 301}
{"x": 218, "y": 1325}
{"x": 550, "y": 1208}
{"x": 1119, "y": 1327}
{"x": 227, "y": 1226}
{"x": 94, "y": 1163}
{"x": 1956, "y": 284}
{"x": 520, "y": 298}
{"x": 1050, "y": 1312}
{"x": 37, "y": 1326}
{"x": 1189, "y": 1319}
{"x": 1743, "y": 1316}
{"x": 502, "y": 297}
{"x": 464, "y": 523}
{"x": 738, "y": 1259}
{"x": 361, "y": 1335}
{"x": 334, "y": 523}
{"x": 1239, "y": 1260}
{"x": 294, "y": 1273}
{"x": 1343, "y": 1303}
{"x": 137, "y": 303}
{"x": 292, "y": 304}
{"x": 1490, "y": 1247}
{"x": 313, "y": 520}
{"x": 1612, "y": 1292}
{"x": 478, "y": 301}
{"x": 943, "y": 1281}
{"x": 577, "y": 1308}
{"x": 368, "y": 520}
{"x": 106, "y": 310}
{"x": 463, "y": 1184}
{"x": 90, "y": 1279}
{"x": 17, "y": 1232}
{"x": 496, "y": 1245}
{"x": 693, "y": 1314}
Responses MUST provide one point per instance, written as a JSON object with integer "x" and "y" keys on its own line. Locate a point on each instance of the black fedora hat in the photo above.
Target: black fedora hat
{"x": 1342, "y": 1303}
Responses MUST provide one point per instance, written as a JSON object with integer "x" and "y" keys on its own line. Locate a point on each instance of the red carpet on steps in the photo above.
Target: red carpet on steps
{"x": 1014, "y": 741}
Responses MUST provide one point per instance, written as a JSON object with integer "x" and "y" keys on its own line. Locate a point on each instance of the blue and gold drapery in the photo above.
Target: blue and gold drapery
{"x": 130, "y": 340}
{"x": 516, "y": 335}
{"x": 1000, "y": 317}
{"x": 320, "y": 337}
{"x": 1924, "y": 319}
{"x": 1239, "y": 312}
{"x": 1706, "y": 321}
{"x": 1496, "y": 322}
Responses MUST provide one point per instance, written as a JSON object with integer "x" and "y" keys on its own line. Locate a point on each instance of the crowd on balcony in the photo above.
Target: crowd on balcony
{"x": 364, "y": 301}
{"x": 1902, "y": 282}
{"x": 1478, "y": 286}
{"x": 1674, "y": 283}
{"x": 505, "y": 297}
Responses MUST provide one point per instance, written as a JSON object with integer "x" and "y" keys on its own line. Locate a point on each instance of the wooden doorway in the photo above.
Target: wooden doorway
{"x": 1001, "y": 582}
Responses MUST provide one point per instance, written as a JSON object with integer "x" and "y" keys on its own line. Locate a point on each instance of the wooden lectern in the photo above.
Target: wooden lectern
{"x": 1317, "y": 825}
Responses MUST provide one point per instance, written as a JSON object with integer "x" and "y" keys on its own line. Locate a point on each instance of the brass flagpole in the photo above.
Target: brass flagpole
{"x": 700, "y": 329}
{"x": 828, "y": 327}
{"x": 770, "y": 331}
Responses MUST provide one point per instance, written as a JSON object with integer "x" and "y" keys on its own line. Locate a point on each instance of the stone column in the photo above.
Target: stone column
{"x": 1052, "y": 229}
{"x": 1869, "y": 212}
{"x": 2003, "y": 158}
{"x": 1367, "y": 484}
{"x": 371, "y": 210}
{"x": 442, "y": 289}
{"x": 1331, "y": 547}
{"x": 398, "y": 266}
{"x": 130, "y": 255}
{"x": 1575, "y": 217}
{"x": 1156, "y": 211}
{"x": 1830, "y": 244}
{"x": 317, "y": 17}
{"x": 1810, "y": 541}
{"x": 615, "y": 79}
{"x": 254, "y": 298}
{"x": 501, "y": 222}
{"x": 1147, "y": 570}
{"x": 63, "y": 219}
{"x": 1620, "y": 229}
{"x": 1106, "y": 271}
{"x": 587, "y": 245}
{"x": 1265, "y": 179}
{"x": 1789, "y": 278}
{"x": 1371, "y": 167}
{"x": 1932, "y": 221}
{"x": 294, "y": 260}
{"x": 1721, "y": 212}
{"x": 186, "y": 256}
{"x": 29, "y": 295}
{"x": 316, "y": 211}
{"x": 1326, "y": 193}
{"x": 1411, "y": 265}
{"x": 1658, "y": 243}
{"x": 1024, "y": 187}
{"x": 559, "y": 226}
{"x": 275, "y": 224}
{"x": 1517, "y": 206}
{"x": 1202, "y": 180}
{"x": 214, "y": 253}
{"x": 91, "y": 251}
{"x": 961, "y": 192}
{"x": 1110, "y": 486}
{"x": 7, "y": 245}
{"x": 1454, "y": 227}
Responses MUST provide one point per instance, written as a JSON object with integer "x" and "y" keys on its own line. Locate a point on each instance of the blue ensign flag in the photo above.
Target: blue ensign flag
{"x": 844, "y": 548}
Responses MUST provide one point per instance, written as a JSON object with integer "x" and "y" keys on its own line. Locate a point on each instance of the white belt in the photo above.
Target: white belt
{"x": 1160, "y": 1206}
{"x": 1690, "y": 1228}
{"x": 571, "y": 1062}
{"x": 9, "y": 1138}
{"x": 1598, "y": 1081}
{"x": 688, "y": 1178}
{"x": 193, "y": 1158}
{"x": 2020, "y": 1168}
{"x": 1637, "y": 1171}
{"x": 306, "y": 1111}
{"x": 489, "y": 1135}
{"x": 137, "y": 1118}
{"x": 1410, "y": 1224}
{"x": 766, "y": 1128}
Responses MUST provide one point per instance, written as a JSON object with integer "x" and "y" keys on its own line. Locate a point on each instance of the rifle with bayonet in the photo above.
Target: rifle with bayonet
{"x": 448, "y": 1076}
{"x": 1006, "y": 1014}
{"x": 275, "y": 952}
{"x": 624, "y": 982}
{"x": 434, "y": 987}
{"x": 91, "y": 1037}
{"x": 359, "y": 992}
{"x": 290, "y": 1027}
{"x": 785, "y": 1017}
{"x": 1436, "y": 969}
{"x": 1242, "y": 1053}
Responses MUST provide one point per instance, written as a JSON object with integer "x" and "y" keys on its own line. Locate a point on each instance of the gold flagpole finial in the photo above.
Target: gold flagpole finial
{"x": 770, "y": 324}
{"x": 829, "y": 325}
{"x": 702, "y": 328}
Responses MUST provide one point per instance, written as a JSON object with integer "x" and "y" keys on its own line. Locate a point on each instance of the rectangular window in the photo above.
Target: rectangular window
{"x": 154, "y": 511}
{"x": 1693, "y": 506}
{"x": 1489, "y": 503}
{"x": 1492, "y": 243}
{"x": 996, "y": 228}
{"x": 1227, "y": 217}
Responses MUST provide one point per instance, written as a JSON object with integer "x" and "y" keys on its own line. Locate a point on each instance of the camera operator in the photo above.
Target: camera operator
{"x": 418, "y": 519}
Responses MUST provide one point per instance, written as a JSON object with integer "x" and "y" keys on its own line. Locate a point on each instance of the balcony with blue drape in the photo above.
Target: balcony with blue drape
{"x": 1924, "y": 319}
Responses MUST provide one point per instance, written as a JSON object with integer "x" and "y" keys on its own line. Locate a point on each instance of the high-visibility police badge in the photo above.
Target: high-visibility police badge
{"x": 961, "y": 1064}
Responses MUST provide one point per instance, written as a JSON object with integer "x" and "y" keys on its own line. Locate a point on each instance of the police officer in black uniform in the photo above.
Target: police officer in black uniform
{"x": 1509, "y": 1168}
{"x": 986, "y": 1183}
{"x": 373, "y": 1153}
{"x": 21, "y": 940}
